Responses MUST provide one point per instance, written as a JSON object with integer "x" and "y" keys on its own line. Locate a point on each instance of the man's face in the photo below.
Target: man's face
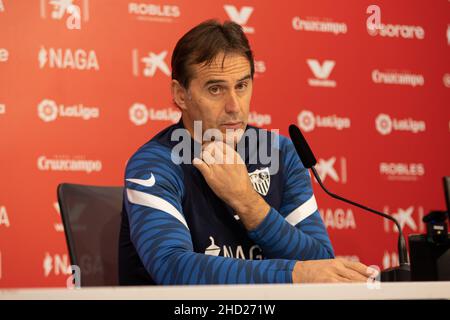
{"x": 219, "y": 95}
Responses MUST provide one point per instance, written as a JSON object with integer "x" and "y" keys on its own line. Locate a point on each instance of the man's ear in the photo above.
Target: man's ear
{"x": 179, "y": 94}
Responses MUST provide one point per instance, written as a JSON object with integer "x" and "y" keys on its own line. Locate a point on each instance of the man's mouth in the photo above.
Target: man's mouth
{"x": 232, "y": 125}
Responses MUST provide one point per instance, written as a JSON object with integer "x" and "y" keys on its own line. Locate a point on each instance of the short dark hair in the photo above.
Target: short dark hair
{"x": 203, "y": 43}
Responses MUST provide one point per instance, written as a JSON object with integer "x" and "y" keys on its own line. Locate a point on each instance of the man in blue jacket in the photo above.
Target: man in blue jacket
{"x": 221, "y": 211}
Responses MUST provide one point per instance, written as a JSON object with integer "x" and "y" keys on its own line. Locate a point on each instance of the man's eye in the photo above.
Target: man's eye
{"x": 215, "y": 89}
{"x": 241, "y": 86}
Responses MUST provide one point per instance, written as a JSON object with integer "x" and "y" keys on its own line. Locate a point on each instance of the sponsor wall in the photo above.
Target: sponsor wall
{"x": 83, "y": 83}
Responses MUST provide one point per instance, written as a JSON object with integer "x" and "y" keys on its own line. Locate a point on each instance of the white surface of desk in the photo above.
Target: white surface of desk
{"x": 405, "y": 290}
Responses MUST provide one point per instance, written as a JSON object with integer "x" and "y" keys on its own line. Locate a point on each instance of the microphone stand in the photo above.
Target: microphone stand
{"x": 403, "y": 271}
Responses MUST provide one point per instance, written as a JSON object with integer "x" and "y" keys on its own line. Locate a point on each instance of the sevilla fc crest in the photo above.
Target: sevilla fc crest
{"x": 260, "y": 180}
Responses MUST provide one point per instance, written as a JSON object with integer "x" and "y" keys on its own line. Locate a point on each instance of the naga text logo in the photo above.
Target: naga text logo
{"x": 65, "y": 163}
{"x": 49, "y": 110}
{"x": 240, "y": 16}
{"x": 385, "y": 124}
{"x": 321, "y": 73}
{"x": 140, "y": 114}
{"x": 149, "y": 64}
{"x": 307, "y": 121}
{"x": 409, "y": 217}
{"x": 56, "y": 264}
{"x": 259, "y": 119}
{"x": 446, "y": 80}
{"x": 154, "y": 12}
{"x": 338, "y": 218}
{"x": 405, "y": 79}
{"x": 66, "y": 8}
{"x": 314, "y": 25}
{"x": 254, "y": 253}
{"x": 402, "y": 171}
{"x": 376, "y": 28}
{"x": 329, "y": 168}
{"x": 58, "y": 58}
{"x": 4, "y": 219}
{"x": 2, "y": 108}
{"x": 4, "y": 55}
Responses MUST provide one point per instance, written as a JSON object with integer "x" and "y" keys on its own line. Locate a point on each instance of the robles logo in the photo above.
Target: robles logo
{"x": 139, "y": 114}
{"x": 402, "y": 171}
{"x": 307, "y": 121}
{"x": 48, "y": 111}
{"x": 154, "y": 12}
{"x": 385, "y": 124}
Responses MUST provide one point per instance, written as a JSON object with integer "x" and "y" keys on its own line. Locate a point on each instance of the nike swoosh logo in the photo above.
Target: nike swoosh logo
{"x": 145, "y": 183}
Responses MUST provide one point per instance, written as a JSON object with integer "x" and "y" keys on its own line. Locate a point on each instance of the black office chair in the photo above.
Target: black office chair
{"x": 91, "y": 216}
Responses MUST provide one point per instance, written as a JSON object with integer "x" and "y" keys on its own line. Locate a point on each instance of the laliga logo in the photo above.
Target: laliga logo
{"x": 240, "y": 17}
{"x": 383, "y": 124}
{"x": 48, "y": 110}
{"x": 139, "y": 114}
{"x": 307, "y": 121}
{"x": 446, "y": 80}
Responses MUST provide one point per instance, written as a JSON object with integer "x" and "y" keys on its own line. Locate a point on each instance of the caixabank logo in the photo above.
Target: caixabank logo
{"x": 150, "y": 63}
{"x": 48, "y": 110}
{"x": 68, "y": 59}
{"x": 409, "y": 218}
{"x": 386, "y": 124}
{"x": 145, "y": 11}
{"x": 73, "y": 13}
{"x": 332, "y": 169}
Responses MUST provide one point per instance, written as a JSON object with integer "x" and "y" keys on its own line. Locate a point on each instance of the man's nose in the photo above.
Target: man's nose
{"x": 232, "y": 105}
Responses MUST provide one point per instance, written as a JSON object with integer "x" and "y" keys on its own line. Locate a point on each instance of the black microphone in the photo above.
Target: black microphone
{"x": 401, "y": 273}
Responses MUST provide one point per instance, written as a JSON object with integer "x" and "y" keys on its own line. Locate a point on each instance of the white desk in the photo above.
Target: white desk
{"x": 406, "y": 290}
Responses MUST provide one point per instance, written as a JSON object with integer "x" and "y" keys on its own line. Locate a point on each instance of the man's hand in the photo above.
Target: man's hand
{"x": 226, "y": 174}
{"x": 331, "y": 270}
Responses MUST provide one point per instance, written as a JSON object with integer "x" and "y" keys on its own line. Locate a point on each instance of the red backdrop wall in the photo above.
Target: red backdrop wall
{"x": 83, "y": 83}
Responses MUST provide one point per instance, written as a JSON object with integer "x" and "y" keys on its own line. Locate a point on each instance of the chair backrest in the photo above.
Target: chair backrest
{"x": 91, "y": 216}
